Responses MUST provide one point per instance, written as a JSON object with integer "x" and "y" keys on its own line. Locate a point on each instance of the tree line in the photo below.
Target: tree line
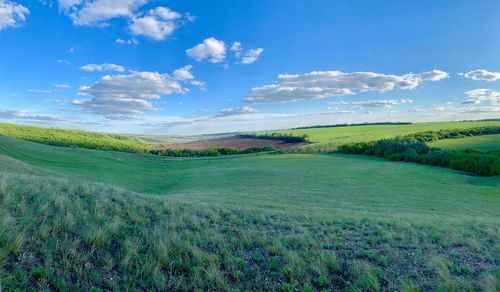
{"x": 413, "y": 148}
{"x": 431, "y": 136}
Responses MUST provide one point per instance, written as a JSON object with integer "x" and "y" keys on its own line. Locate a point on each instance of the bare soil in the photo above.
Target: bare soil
{"x": 235, "y": 142}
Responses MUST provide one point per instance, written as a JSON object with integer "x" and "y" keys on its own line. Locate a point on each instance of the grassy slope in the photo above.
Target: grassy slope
{"x": 335, "y": 136}
{"x": 261, "y": 222}
{"x": 329, "y": 183}
{"x": 74, "y": 138}
{"x": 486, "y": 142}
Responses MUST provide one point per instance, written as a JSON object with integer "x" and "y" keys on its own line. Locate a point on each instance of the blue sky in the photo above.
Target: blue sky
{"x": 191, "y": 67}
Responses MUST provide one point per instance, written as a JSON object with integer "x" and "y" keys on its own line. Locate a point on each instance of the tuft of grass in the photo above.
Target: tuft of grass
{"x": 365, "y": 276}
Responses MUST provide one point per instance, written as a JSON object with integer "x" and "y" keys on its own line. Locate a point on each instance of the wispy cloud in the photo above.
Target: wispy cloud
{"x": 383, "y": 103}
{"x": 234, "y": 111}
{"x": 9, "y": 114}
{"x": 102, "y": 67}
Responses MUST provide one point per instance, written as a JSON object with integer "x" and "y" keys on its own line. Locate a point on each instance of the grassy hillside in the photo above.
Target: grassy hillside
{"x": 73, "y": 138}
{"x": 486, "y": 142}
{"x": 335, "y": 136}
{"x": 337, "y": 183}
{"x": 76, "y": 219}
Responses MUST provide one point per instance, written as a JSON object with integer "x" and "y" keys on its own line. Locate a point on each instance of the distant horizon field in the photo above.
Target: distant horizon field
{"x": 335, "y": 136}
{"x": 484, "y": 142}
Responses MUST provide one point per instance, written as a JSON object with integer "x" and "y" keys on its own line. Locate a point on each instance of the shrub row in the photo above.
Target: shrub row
{"x": 431, "y": 136}
{"x": 210, "y": 152}
{"x": 401, "y": 149}
{"x": 278, "y": 136}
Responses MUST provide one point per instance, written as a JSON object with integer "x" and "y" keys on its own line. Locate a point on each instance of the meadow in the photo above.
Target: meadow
{"x": 330, "y": 138}
{"x": 485, "y": 143}
{"x": 77, "y": 219}
{"x": 75, "y": 138}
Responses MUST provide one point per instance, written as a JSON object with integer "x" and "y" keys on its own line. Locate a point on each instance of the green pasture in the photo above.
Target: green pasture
{"x": 485, "y": 142}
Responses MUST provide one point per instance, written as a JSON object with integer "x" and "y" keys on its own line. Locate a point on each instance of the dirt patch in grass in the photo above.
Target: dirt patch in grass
{"x": 235, "y": 142}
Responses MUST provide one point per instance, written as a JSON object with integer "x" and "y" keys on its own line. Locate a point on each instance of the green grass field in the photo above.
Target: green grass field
{"x": 75, "y": 138}
{"x": 335, "y": 136}
{"x": 486, "y": 143}
{"x": 76, "y": 219}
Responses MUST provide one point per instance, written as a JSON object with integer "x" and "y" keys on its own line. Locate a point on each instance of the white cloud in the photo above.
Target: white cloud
{"x": 480, "y": 110}
{"x": 198, "y": 83}
{"x": 126, "y": 42}
{"x": 481, "y": 74}
{"x": 12, "y": 14}
{"x": 251, "y": 55}
{"x": 158, "y": 23}
{"x": 245, "y": 56}
{"x": 122, "y": 97}
{"x": 236, "y": 47}
{"x": 482, "y": 95}
{"x": 383, "y": 103}
{"x": 234, "y": 111}
{"x": 40, "y": 91}
{"x": 102, "y": 67}
{"x": 8, "y": 114}
{"x": 212, "y": 49}
{"x": 183, "y": 73}
{"x": 63, "y": 61}
{"x": 438, "y": 109}
{"x": 97, "y": 12}
{"x": 62, "y": 85}
{"x": 66, "y": 4}
{"x": 322, "y": 84}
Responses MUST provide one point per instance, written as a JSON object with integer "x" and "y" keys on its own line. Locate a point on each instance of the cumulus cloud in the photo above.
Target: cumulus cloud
{"x": 481, "y": 74}
{"x": 234, "y": 111}
{"x": 383, "y": 103}
{"x": 481, "y": 95}
{"x": 184, "y": 73}
{"x": 123, "y": 97}
{"x": 245, "y": 56}
{"x": 158, "y": 23}
{"x": 97, "y": 12}
{"x": 102, "y": 67}
{"x": 322, "y": 84}
{"x": 12, "y": 14}
{"x": 9, "y": 114}
{"x": 211, "y": 49}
